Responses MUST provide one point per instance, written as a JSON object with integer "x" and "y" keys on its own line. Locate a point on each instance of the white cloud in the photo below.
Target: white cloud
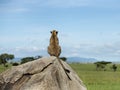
{"x": 19, "y": 10}
{"x": 101, "y": 52}
{"x": 74, "y": 3}
{"x": 1, "y": 49}
{"x": 26, "y": 51}
{"x": 13, "y": 9}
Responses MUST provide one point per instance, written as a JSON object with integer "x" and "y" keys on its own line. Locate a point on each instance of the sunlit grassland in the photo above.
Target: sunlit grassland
{"x": 2, "y": 68}
{"x": 98, "y": 80}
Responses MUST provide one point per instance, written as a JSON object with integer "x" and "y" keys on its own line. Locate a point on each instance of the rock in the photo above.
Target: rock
{"x": 42, "y": 74}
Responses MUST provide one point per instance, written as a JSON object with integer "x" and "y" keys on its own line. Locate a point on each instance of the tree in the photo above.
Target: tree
{"x": 63, "y": 58}
{"x": 114, "y": 67}
{"x": 4, "y": 58}
{"x": 15, "y": 64}
{"x": 27, "y": 59}
{"x": 101, "y": 65}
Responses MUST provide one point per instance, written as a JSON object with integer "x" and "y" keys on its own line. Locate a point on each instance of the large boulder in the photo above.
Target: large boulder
{"x": 42, "y": 74}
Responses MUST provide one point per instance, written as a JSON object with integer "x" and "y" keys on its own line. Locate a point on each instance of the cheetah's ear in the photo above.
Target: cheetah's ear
{"x": 50, "y": 31}
{"x": 56, "y": 32}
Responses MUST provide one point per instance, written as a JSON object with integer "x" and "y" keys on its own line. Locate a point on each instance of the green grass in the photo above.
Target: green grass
{"x": 94, "y": 80}
{"x": 98, "y": 80}
{"x": 2, "y": 68}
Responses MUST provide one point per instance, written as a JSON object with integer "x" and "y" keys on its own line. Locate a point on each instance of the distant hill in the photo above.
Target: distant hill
{"x": 81, "y": 60}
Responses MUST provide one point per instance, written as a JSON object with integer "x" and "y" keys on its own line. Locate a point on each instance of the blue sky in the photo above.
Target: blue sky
{"x": 87, "y": 28}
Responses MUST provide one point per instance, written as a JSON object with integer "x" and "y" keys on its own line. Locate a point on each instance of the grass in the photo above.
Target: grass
{"x": 94, "y": 80}
{"x": 98, "y": 80}
{"x": 2, "y": 68}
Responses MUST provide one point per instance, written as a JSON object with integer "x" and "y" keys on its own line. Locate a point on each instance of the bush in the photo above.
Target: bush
{"x": 63, "y": 58}
{"x": 15, "y": 64}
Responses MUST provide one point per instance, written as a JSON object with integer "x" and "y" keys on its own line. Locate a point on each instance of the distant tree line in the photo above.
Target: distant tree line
{"x": 5, "y": 57}
{"x": 28, "y": 59}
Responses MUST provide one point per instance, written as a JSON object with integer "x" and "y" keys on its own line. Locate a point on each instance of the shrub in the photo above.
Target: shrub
{"x": 15, "y": 64}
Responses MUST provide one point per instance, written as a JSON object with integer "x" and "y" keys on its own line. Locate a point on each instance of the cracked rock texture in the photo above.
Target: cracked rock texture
{"x": 43, "y": 74}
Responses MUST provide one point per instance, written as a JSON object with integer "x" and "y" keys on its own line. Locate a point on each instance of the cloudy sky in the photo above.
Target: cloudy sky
{"x": 87, "y": 28}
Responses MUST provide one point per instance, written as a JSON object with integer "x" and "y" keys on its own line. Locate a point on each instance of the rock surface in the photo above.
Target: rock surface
{"x": 42, "y": 74}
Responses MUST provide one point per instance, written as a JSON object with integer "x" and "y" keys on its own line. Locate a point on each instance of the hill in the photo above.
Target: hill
{"x": 81, "y": 60}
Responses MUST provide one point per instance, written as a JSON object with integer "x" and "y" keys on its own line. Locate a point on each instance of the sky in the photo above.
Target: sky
{"x": 86, "y": 28}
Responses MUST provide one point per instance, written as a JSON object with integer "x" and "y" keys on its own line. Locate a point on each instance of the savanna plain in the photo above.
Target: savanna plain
{"x": 98, "y": 80}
